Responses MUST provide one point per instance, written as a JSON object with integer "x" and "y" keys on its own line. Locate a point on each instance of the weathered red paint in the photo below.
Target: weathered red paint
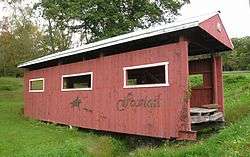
{"x": 202, "y": 95}
{"x": 211, "y": 26}
{"x": 212, "y": 90}
{"x": 98, "y": 109}
{"x": 106, "y": 106}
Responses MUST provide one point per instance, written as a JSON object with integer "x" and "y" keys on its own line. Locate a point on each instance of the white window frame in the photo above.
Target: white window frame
{"x": 78, "y": 74}
{"x": 125, "y": 69}
{"x": 36, "y": 79}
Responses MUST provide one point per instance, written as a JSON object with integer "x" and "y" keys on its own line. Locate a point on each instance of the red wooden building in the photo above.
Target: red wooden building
{"x": 135, "y": 83}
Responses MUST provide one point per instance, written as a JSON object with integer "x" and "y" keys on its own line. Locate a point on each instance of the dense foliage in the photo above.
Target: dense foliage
{"x": 22, "y": 42}
{"x": 99, "y": 19}
{"x": 239, "y": 58}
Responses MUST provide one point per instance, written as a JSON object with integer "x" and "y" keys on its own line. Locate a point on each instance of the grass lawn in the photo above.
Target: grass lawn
{"x": 20, "y": 136}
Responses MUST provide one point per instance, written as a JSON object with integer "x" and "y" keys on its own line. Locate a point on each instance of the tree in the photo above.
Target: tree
{"x": 20, "y": 40}
{"x": 239, "y": 58}
{"x": 58, "y": 38}
{"x": 21, "y": 44}
{"x": 100, "y": 19}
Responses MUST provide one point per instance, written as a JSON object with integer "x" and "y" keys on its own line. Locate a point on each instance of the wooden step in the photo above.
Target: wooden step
{"x": 201, "y": 115}
{"x": 196, "y": 111}
{"x": 210, "y": 106}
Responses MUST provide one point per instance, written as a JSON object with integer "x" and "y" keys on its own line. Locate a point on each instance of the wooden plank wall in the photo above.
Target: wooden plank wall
{"x": 108, "y": 106}
{"x": 202, "y": 95}
{"x": 212, "y": 90}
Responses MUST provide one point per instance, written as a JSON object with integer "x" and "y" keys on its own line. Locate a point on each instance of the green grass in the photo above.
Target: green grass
{"x": 237, "y": 96}
{"x": 10, "y": 84}
{"x": 196, "y": 80}
{"x": 37, "y": 85}
{"x": 20, "y": 136}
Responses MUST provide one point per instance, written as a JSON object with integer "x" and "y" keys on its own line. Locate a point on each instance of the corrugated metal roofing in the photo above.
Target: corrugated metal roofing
{"x": 167, "y": 28}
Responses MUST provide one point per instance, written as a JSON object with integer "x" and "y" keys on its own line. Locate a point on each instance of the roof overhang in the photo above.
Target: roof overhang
{"x": 179, "y": 26}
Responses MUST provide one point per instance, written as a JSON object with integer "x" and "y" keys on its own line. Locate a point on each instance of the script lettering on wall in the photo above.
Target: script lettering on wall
{"x": 76, "y": 102}
{"x": 130, "y": 101}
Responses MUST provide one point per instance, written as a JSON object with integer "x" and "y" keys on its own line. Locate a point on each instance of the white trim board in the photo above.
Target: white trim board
{"x": 36, "y": 79}
{"x": 77, "y": 89}
{"x": 146, "y": 66}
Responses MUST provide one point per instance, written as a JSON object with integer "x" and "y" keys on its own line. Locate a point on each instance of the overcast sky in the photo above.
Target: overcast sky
{"x": 235, "y": 14}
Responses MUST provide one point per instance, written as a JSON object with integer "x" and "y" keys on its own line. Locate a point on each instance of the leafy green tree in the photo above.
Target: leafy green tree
{"x": 21, "y": 44}
{"x": 20, "y": 40}
{"x": 100, "y": 19}
{"x": 239, "y": 58}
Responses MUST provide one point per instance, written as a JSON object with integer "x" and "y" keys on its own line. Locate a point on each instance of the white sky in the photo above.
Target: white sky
{"x": 235, "y": 14}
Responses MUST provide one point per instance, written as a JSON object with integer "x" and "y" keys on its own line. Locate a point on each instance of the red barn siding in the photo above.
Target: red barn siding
{"x": 212, "y": 90}
{"x": 99, "y": 107}
{"x": 106, "y": 107}
{"x": 210, "y": 26}
{"x": 202, "y": 95}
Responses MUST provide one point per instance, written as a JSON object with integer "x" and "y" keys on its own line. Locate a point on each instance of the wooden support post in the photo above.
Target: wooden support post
{"x": 214, "y": 72}
{"x": 185, "y": 119}
{"x": 218, "y": 82}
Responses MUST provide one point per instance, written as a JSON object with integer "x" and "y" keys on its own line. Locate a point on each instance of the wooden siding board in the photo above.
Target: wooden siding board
{"x": 184, "y": 116}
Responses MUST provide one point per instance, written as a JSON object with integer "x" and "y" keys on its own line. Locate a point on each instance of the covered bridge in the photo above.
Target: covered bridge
{"x": 136, "y": 83}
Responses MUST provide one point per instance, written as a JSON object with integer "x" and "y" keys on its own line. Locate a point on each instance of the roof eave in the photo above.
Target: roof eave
{"x": 110, "y": 42}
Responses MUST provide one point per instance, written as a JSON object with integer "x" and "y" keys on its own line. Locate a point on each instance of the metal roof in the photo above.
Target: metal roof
{"x": 145, "y": 33}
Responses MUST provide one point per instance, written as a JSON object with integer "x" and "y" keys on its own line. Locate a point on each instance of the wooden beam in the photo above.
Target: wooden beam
{"x": 199, "y": 57}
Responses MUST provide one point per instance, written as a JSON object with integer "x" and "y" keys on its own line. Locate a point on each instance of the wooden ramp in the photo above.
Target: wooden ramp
{"x": 201, "y": 115}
